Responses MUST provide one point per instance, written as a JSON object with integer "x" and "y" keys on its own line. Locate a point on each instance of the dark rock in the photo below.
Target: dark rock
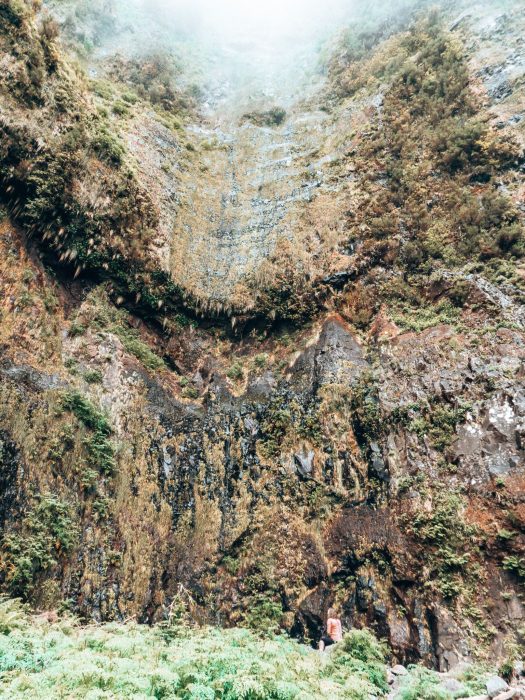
{"x": 11, "y": 470}
{"x": 305, "y": 464}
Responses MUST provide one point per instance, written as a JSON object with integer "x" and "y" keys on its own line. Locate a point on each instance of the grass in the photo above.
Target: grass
{"x": 43, "y": 660}
{"x": 104, "y": 316}
{"x": 132, "y": 342}
{"x": 89, "y": 415}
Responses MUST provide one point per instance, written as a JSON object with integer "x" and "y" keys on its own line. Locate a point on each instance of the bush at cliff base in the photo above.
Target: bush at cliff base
{"x": 64, "y": 659}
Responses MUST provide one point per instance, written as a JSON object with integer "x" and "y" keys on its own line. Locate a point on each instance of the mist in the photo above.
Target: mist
{"x": 269, "y": 20}
{"x": 261, "y": 47}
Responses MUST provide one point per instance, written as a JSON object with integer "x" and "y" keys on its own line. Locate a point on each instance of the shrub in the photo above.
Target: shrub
{"x": 13, "y": 615}
{"x": 46, "y": 532}
{"x": 236, "y": 372}
{"x": 516, "y": 565}
{"x": 362, "y": 655}
{"x": 139, "y": 661}
{"x": 121, "y": 109}
{"x": 93, "y": 377}
{"x": 424, "y": 684}
{"x": 132, "y": 342}
{"x": 101, "y": 452}
{"x": 87, "y": 414}
{"x": 261, "y": 360}
{"x": 363, "y": 646}
{"x": 448, "y": 542}
{"x": 264, "y": 613}
{"x": 108, "y": 147}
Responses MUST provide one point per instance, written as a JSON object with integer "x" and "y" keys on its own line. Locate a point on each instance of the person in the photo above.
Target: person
{"x": 333, "y": 632}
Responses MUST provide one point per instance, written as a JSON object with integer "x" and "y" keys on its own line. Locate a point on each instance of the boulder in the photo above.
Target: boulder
{"x": 512, "y": 694}
{"x": 399, "y": 670}
{"x": 496, "y": 686}
{"x": 452, "y": 685}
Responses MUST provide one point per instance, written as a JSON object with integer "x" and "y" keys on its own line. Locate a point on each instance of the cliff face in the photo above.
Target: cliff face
{"x": 259, "y": 361}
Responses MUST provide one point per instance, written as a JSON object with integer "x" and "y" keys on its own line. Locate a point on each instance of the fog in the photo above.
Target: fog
{"x": 266, "y": 46}
{"x": 256, "y": 20}
{"x": 264, "y": 49}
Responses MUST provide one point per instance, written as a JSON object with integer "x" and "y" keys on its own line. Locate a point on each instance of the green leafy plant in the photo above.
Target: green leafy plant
{"x": 449, "y": 542}
{"x": 130, "y": 660}
{"x": 236, "y": 372}
{"x": 93, "y": 376}
{"x": 46, "y": 532}
{"x": 101, "y": 451}
{"x": 515, "y": 564}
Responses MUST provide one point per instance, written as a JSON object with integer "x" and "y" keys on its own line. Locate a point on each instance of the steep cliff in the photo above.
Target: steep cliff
{"x": 264, "y": 358}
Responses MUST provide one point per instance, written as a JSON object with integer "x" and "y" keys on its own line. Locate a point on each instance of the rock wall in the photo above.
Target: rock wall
{"x": 345, "y": 445}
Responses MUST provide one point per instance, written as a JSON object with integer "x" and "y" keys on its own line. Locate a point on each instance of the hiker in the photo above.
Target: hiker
{"x": 333, "y": 632}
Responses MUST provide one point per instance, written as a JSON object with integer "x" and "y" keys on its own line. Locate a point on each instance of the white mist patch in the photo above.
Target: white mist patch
{"x": 253, "y": 20}
{"x": 262, "y": 48}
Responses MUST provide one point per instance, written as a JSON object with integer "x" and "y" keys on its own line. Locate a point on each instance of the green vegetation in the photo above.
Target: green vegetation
{"x": 112, "y": 241}
{"x": 418, "y": 318}
{"x": 236, "y": 372}
{"x": 432, "y": 141}
{"x": 449, "y": 544}
{"x": 132, "y": 342}
{"x": 283, "y": 290}
{"x": 260, "y": 360}
{"x": 93, "y": 376}
{"x": 108, "y": 147}
{"x": 277, "y": 421}
{"x": 154, "y": 78}
{"x": 424, "y": 684}
{"x": 100, "y": 450}
{"x": 516, "y": 565}
{"x": 87, "y": 414}
{"x": 270, "y": 117}
{"x": 262, "y": 605}
{"x": 45, "y": 534}
{"x": 366, "y": 417}
{"x": 102, "y": 315}
{"x": 190, "y": 392}
{"x": 436, "y": 421}
{"x": 361, "y": 654}
{"x": 130, "y": 661}
{"x": 285, "y": 417}
{"x": 264, "y": 612}
{"x": 430, "y": 168}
